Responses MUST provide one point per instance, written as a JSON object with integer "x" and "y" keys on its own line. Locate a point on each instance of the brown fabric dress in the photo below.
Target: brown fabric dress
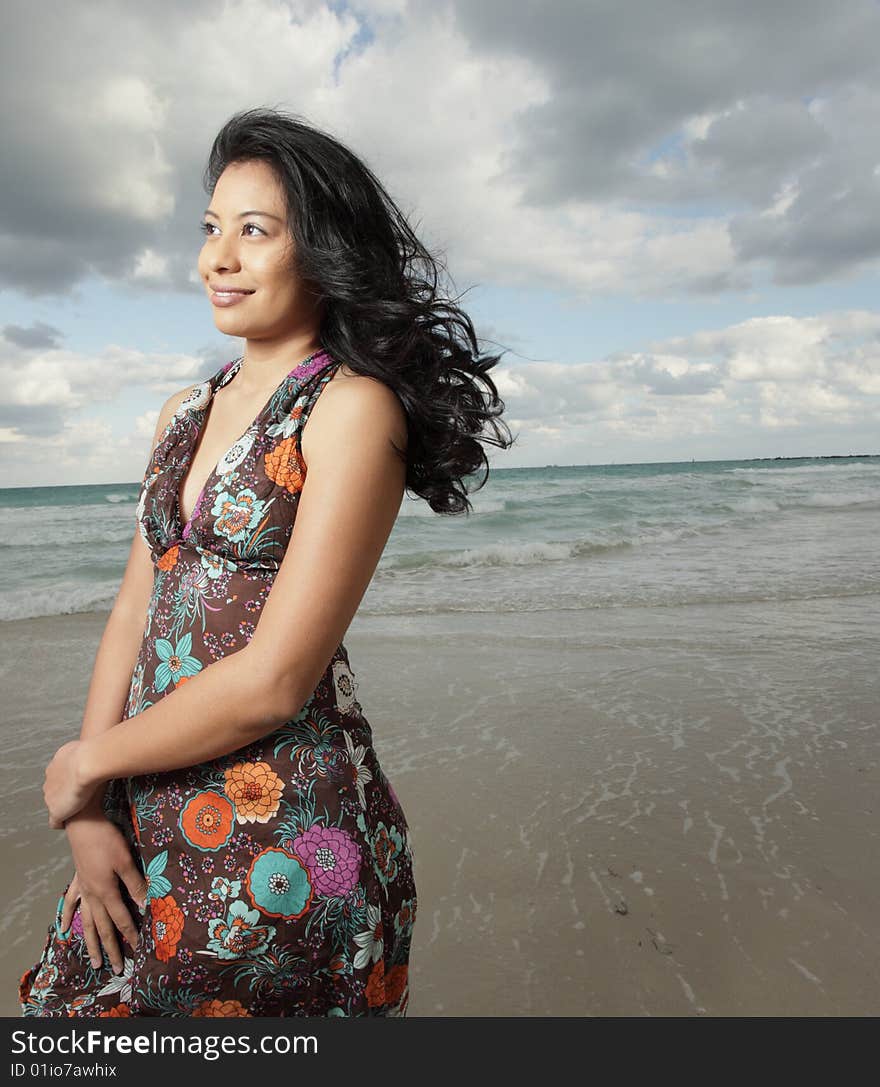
{"x": 280, "y": 877}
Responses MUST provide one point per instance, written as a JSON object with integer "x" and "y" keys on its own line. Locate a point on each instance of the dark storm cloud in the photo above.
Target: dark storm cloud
{"x": 623, "y": 79}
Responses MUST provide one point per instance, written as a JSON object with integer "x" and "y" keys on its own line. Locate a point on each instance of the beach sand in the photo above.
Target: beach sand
{"x": 620, "y": 811}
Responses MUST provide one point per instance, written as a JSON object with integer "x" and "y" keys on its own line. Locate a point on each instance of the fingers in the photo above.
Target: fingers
{"x": 70, "y": 901}
{"x": 90, "y": 934}
{"x": 122, "y": 919}
{"x": 134, "y": 882}
{"x": 107, "y": 933}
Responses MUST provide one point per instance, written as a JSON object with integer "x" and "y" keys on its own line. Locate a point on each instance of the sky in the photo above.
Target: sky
{"x": 665, "y": 215}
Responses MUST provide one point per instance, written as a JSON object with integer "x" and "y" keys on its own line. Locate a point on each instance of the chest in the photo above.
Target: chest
{"x": 228, "y": 423}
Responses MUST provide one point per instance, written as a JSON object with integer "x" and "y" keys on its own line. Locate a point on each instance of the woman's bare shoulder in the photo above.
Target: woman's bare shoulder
{"x": 169, "y": 408}
{"x": 355, "y": 397}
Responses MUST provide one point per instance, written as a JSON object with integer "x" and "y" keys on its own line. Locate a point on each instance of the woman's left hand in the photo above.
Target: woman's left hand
{"x": 64, "y": 790}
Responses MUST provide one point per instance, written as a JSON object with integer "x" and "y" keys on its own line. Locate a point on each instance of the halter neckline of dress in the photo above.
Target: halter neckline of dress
{"x": 310, "y": 366}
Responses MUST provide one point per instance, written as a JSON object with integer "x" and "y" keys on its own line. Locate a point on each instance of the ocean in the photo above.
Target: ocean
{"x": 552, "y": 538}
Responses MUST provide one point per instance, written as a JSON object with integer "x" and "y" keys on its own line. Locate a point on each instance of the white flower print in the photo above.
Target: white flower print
{"x": 287, "y": 425}
{"x": 362, "y": 773}
{"x": 236, "y": 453}
{"x": 142, "y": 505}
{"x": 346, "y": 687}
{"x": 197, "y": 398}
{"x": 370, "y": 943}
{"x": 120, "y": 983}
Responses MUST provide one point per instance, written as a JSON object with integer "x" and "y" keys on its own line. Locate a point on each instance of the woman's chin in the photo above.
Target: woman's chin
{"x": 229, "y": 325}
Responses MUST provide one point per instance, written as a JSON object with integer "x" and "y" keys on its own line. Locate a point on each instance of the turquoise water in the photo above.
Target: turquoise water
{"x": 538, "y": 538}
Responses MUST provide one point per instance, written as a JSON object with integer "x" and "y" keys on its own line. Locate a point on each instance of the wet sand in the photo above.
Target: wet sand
{"x": 621, "y": 811}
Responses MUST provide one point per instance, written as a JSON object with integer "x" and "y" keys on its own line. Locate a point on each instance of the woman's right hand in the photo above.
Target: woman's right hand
{"x": 102, "y": 857}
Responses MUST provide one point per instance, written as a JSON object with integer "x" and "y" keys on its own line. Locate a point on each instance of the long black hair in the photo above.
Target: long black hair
{"x": 385, "y": 314}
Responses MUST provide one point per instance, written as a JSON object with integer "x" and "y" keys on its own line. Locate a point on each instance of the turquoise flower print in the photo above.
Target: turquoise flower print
{"x": 215, "y": 565}
{"x": 279, "y": 884}
{"x": 85, "y": 1000}
{"x": 313, "y": 746}
{"x": 157, "y": 885}
{"x": 405, "y": 917}
{"x": 237, "y": 515}
{"x": 239, "y": 936}
{"x": 223, "y": 888}
{"x": 177, "y": 662}
{"x": 46, "y": 978}
{"x": 387, "y": 847}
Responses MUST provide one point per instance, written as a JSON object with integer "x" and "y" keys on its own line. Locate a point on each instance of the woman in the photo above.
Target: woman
{"x": 232, "y": 823}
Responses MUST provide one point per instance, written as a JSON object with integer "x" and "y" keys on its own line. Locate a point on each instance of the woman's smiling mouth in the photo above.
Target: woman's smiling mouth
{"x": 228, "y": 296}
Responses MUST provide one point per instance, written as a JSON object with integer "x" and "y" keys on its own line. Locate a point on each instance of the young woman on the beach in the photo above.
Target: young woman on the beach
{"x": 232, "y": 822}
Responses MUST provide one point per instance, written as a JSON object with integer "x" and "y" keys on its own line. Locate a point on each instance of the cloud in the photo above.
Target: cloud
{"x": 770, "y": 374}
{"x": 793, "y": 376}
{"x": 828, "y": 225}
{"x": 42, "y": 384}
{"x": 656, "y": 149}
{"x": 103, "y": 166}
{"x": 671, "y": 104}
{"x": 55, "y": 402}
{"x": 38, "y": 336}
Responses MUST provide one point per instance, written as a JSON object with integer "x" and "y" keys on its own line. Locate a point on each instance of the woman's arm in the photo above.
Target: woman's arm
{"x": 349, "y": 502}
{"x": 118, "y": 648}
{"x": 99, "y": 850}
{"x": 124, "y": 630}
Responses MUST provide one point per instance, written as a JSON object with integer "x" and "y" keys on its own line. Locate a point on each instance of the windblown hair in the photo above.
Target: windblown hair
{"x": 385, "y": 312}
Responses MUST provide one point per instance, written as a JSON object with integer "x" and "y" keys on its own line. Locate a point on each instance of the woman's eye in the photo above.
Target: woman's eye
{"x": 206, "y": 227}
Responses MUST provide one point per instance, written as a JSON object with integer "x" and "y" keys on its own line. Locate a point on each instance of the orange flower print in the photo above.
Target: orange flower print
{"x": 134, "y": 821}
{"x": 24, "y": 985}
{"x": 207, "y": 820}
{"x": 339, "y": 965}
{"x": 255, "y": 790}
{"x": 169, "y": 559}
{"x": 228, "y": 1009}
{"x": 121, "y": 1011}
{"x": 395, "y": 982}
{"x": 283, "y": 464}
{"x": 376, "y": 985}
{"x": 167, "y": 926}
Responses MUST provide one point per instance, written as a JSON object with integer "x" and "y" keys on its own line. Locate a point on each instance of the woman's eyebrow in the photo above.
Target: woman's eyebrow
{"x": 265, "y": 214}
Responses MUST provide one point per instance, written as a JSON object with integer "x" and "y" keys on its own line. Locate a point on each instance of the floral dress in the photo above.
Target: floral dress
{"x": 279, "y": 877}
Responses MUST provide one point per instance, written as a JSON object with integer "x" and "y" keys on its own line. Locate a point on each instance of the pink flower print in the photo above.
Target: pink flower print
{"x": 332, "y": 858}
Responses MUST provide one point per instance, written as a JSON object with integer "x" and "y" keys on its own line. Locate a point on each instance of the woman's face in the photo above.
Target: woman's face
{"x": 248, "y": 245}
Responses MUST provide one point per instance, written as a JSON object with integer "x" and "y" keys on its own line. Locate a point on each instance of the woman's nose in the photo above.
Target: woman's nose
{"x": 222, "y": 254}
